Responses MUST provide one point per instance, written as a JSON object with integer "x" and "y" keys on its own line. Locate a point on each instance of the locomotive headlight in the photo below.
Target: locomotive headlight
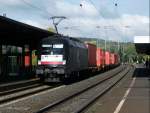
{"x": 64, "y": 62}
{"x": 39, "y": 62}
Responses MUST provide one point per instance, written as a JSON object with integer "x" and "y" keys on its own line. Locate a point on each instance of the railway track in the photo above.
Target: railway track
{"x": 21, "y": 89}
{"x": 78, "y": 101}
{"x": 20, "y": 84}
{"x": 34, "y": 102}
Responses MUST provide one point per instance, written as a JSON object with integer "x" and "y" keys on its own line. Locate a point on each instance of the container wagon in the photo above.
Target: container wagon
{"x": 91, "y": 55}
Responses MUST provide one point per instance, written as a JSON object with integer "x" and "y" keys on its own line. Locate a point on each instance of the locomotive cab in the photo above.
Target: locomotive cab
{"x": 51, "y": 60}
{"x": 60, "y": 57}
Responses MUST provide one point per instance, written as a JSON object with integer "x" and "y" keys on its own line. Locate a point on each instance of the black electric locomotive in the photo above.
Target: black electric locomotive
{"x": 60, "y": 58}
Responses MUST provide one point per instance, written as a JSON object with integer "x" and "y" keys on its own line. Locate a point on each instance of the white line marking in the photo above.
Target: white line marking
{"x": 124, "y": 97}
{"x": 12, "y": 102}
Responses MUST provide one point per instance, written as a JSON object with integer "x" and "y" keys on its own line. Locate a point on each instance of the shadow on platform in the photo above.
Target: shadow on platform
{"x": 141, "y": 72}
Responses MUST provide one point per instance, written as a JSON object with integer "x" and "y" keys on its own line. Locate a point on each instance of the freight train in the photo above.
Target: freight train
{"x": 62, "y": 57}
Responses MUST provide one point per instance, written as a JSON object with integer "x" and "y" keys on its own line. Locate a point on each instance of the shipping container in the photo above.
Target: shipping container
{"x": 103, "y": 58}
{"x": 100, "y": 57}
{"x": 107, "y": 58}
{"x": 112, "y": 58}
{"x": 91, "y": 55}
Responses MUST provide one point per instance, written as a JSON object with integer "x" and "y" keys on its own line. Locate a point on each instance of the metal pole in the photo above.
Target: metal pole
{"x": 105, "y": 44}
{"x": 118, "y": 45}
{"x": 56, "y": 28}
{"x": 56, "y": 23}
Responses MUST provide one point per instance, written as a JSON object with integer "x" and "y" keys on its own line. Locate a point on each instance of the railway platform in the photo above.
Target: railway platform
{"x": 125, "y": 89}
{"x": 132, "y": 95}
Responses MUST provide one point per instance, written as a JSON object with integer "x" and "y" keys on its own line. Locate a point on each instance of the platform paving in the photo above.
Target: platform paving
{"x": 131, "y": 95}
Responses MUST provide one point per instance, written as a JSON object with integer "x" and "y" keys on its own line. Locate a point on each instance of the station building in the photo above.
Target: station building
{"x": 18, "y": 44}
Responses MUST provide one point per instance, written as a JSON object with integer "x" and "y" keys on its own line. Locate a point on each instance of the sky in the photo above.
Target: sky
{"x": 118, "y": 20}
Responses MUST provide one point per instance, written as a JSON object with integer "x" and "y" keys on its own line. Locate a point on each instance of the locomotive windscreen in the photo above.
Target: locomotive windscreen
{"x": 53, "y": 49}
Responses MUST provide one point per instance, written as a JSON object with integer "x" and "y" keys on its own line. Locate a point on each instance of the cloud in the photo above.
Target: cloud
{"x": 63, "y": 8}
{"x": 138, "y": 25}
{"x": 123, "y": 28}
{"x": 13, "y": 2}
{"x": 82, "y": 21}
{"x": 10, "y": 2}
{"x": 34, "y": 23}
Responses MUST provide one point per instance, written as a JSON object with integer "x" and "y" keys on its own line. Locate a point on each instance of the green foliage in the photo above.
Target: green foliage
{"x": 129, "y": 52}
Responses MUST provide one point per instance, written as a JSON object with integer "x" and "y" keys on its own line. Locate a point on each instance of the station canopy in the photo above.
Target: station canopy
{"x": 142, "y": 44}
{"x": 17, "y": 33}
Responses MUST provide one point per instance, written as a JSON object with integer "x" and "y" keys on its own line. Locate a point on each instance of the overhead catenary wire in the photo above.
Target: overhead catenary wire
{"x": 72, "y": 27}
{"x": 115, "y": 2}
{"x": 40, "y": 9}
{"x": 36, "y": 7}
{"x": 92, "y": 3}
{"x": 49, "y": 15}
{"x": 99, "y": 13}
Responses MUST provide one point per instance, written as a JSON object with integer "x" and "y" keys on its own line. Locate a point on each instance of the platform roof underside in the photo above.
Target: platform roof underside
{"x": 16, "y": 33}
{"x": 143, "y": 48}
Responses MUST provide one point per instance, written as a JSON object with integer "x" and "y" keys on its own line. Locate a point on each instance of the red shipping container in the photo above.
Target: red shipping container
{"x": 100, "y": 57}
{"x": 91, "y": 55}
{"x": 112, "y": 58}
{"x": 103, "y": 58}
{"x": 107, "y": 57}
